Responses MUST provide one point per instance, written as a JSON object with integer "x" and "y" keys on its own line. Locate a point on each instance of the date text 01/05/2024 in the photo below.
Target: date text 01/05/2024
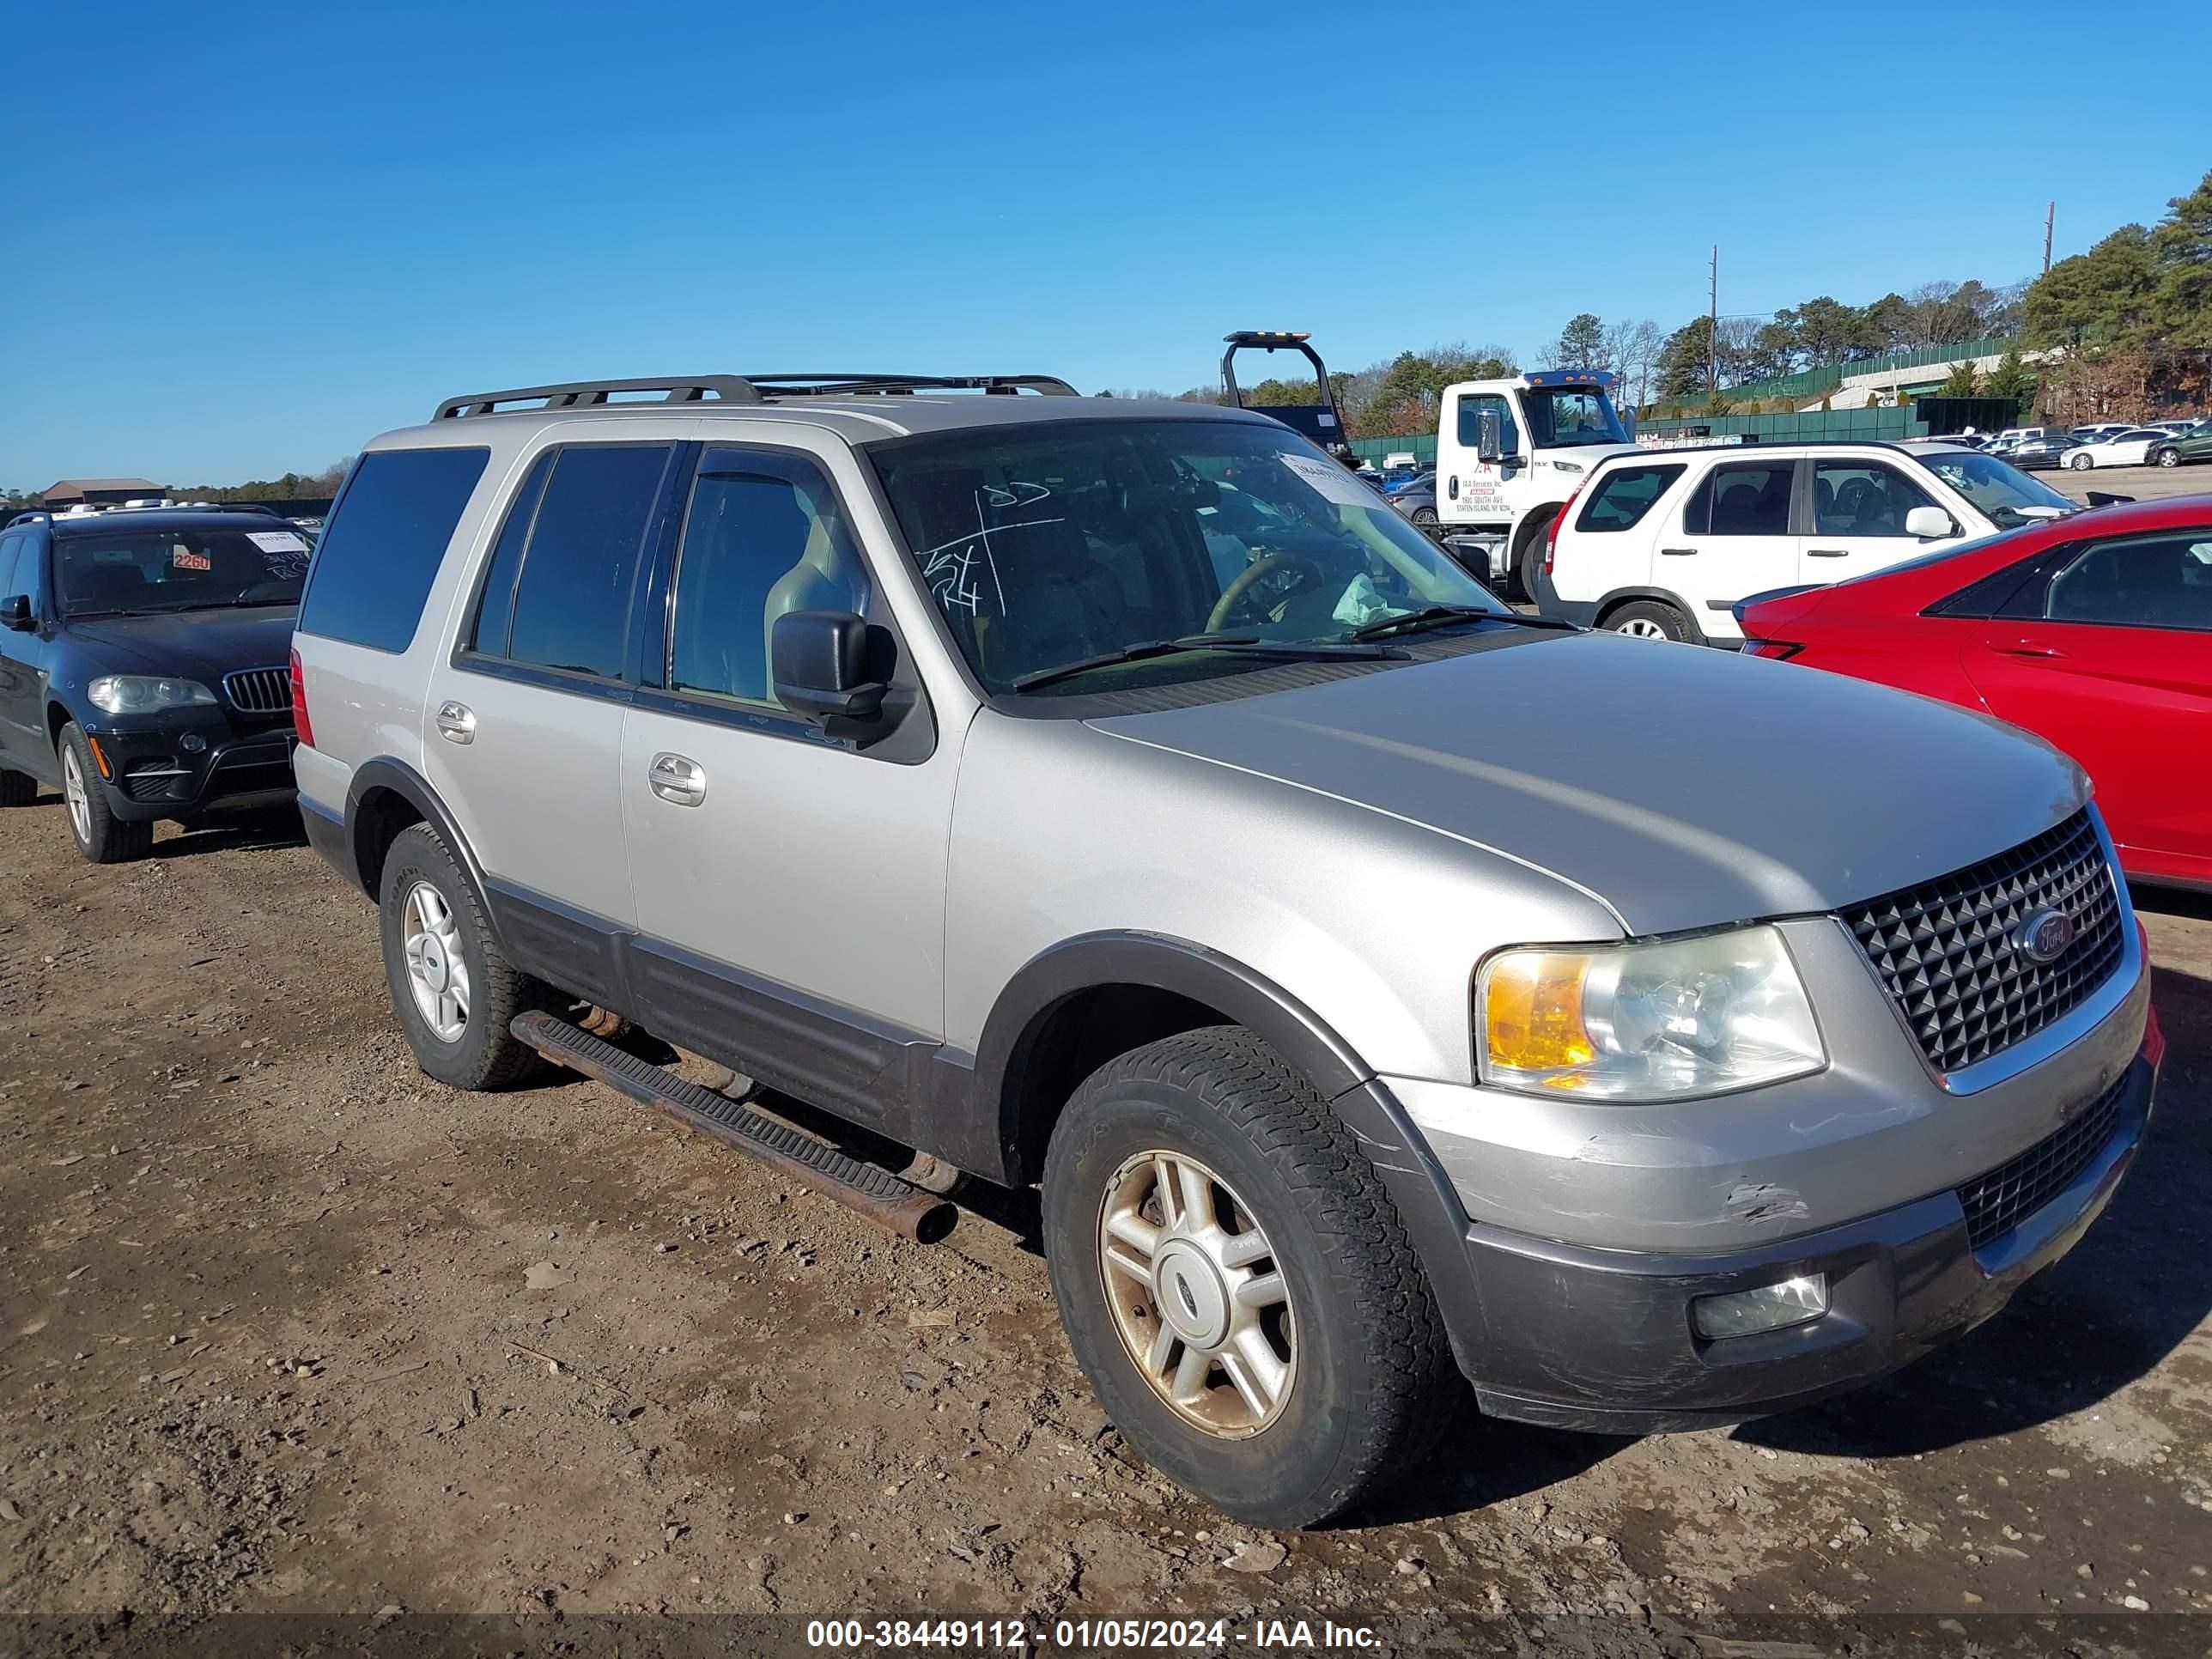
{"x": 1163, "y": 1634}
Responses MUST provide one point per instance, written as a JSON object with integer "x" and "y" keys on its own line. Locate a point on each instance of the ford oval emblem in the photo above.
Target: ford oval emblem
{"x": 2044, "y": 936}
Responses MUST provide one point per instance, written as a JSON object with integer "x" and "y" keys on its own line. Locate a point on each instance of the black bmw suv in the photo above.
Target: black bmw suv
{"x": 145, "y": 665}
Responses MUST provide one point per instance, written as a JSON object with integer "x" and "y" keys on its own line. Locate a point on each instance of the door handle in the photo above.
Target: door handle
{"x": 2025, "y": 647}
{"x": 1827, "y": 553}
{"x": 456, "y": 722}
{"x": 678, "y": 780}
{"x": 1678, "y": 552}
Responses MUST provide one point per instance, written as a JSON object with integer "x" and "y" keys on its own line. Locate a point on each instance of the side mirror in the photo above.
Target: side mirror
{"x": 1490, "y": 446}
{"x": 16, "y": 613}
{"x": 820, "y": 665}
{"x": 1929, "y": 524}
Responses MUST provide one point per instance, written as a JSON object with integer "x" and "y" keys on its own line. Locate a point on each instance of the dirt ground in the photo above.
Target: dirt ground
{"x": 286, "y": 1327}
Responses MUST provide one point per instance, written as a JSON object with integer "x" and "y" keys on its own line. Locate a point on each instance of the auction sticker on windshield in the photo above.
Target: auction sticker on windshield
{"x": 1333, "y": 482}
{"x": 277, "y": 541}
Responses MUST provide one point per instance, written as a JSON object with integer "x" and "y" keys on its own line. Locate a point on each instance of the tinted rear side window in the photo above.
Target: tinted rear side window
{"x": 572, "y": 604}
{"x": 497, "y": 606}
{"x": 1625, "y": 495}
{"x": 387, "y": 538}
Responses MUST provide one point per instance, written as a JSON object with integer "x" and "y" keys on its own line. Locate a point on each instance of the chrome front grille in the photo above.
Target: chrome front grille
{"x": 259, "y": 690}
{"x": 1947, "y": 954}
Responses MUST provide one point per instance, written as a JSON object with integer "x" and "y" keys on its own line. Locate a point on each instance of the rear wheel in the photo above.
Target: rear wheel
{"x": 100, "y": 835}
{"x": 453, "y": 990}
{"x": 1236, "y": 1283}
{"x": 1424, "y": 518}
{"x": 1650, "y": 619}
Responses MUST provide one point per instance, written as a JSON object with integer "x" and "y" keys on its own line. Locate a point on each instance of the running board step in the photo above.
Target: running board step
{"x": 876, "y": 1194}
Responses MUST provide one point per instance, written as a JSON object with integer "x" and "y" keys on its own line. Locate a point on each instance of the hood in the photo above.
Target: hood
{"x": 200, "y": 645}
{"x": 1684, "y": 786}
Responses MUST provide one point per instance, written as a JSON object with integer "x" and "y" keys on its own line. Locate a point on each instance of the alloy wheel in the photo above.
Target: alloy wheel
{"x": 74, "y": 792}
{"x": 437, "y": 971}
{"x": 1197, "y": 1294}
{"x": 1642, "y": 628}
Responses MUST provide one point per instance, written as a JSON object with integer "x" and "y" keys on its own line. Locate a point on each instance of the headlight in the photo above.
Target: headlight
{"x": 142, "y": 693}
{"x": 1646, "y": 1022}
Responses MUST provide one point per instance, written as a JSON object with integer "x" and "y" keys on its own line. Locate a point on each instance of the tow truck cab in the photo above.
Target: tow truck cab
{"x": 1511, "y": 453}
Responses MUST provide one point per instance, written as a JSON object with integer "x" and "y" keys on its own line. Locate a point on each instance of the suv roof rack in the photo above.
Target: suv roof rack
{"x": 742, "y": 389}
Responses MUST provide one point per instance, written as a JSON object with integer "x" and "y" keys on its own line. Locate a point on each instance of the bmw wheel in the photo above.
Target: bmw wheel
{"x": 99, "y": 834}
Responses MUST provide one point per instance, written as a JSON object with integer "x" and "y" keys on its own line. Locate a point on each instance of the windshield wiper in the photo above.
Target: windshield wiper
{"x": 1443, "y": 615}
{"x": 1247, "y": 645}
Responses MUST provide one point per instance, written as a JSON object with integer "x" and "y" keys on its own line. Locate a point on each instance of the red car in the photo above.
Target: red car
{"x": 2094, "y": 631}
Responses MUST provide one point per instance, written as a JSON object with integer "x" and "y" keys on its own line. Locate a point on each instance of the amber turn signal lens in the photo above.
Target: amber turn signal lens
{"x": 1534, "y": 1012}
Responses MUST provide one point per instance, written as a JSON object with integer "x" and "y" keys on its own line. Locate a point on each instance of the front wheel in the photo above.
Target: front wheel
{"x": 1532, "y": 559}
{"x": 1236, "y": 1282}
{"x": 99, "y": 834}
{"x": 1424, "y": 518}
{"x": 2080, "y": 463}
{"x": 2167, "y": 457}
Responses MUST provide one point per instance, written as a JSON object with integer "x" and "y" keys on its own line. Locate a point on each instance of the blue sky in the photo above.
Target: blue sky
{"x": 269, "y": 233}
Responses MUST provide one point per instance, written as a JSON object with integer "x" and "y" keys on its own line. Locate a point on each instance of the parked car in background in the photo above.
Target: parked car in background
{"x": 2015, "y": 435}
{"x": 2036, "y": 455}
{"x": 2178, "y": 428}
{"x": 143, "y": 666}
{"x": 2131, "y": 447}
{"x": 1427, "y": 475}
{"x": 2183, "y": 451}
{"x": 1662, "y": 544}
{"x": 963, "y": 764}
{"x": 1416, "y": 501}
{"x": 2095, "y": 634}
{"x": 2089, "y": 434}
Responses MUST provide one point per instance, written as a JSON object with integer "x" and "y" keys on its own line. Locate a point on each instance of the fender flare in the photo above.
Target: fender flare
{"x": 1431, "y": 1209}
{"x": 402, "y": 779}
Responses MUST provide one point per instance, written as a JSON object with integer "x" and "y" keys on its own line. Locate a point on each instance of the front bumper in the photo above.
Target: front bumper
{"x": 1603, "y": 1339}
{"x": 152, "y": 770}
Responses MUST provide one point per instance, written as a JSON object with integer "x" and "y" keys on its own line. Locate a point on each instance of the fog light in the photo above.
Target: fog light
{"x": 1769, "y": 1307}
{"x": 191, "y": 743}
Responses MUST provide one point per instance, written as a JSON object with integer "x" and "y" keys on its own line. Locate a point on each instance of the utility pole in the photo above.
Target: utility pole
{"x": 1713, "y": 326}
{"x": 2049, "y": 218}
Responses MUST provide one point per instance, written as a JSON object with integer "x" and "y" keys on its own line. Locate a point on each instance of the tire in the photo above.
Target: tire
{"x": 1650, "y": 619}
{"x": 102, "y": 836}
{"x": 1532, "y": 559}
{"x": 1424, "y": 518}
{"x": 17, "y": 788}
{"x": 2167, "y": 457}
{"x": 478, "y": 1053}
{"x": 2080, "y": 463}
{"x": 1365, "y": 1378}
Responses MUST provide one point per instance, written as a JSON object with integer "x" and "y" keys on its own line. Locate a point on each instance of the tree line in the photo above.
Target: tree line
{"x": 292, "y": 486}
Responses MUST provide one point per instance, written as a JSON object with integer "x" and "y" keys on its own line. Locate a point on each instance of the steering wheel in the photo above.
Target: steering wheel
{"x": 1244, "y": 580}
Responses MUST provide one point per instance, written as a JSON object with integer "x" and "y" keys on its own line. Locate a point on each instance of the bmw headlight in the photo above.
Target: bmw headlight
{"x": 1634, "y": 1023}
{"x": 145, "y": 694}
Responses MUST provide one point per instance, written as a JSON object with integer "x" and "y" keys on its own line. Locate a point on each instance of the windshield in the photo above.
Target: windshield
{"x": 2005, "y": 495}
{"x": 1563, "y": 419}
{"x": 1046, "y": 546}
{"x": 138, "y": 572}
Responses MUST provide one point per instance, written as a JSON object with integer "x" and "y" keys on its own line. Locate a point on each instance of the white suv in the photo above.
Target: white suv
{"x": 1663, "y": 544}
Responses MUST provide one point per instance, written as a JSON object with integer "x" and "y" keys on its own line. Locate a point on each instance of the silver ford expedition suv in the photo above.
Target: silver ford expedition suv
{"x": 1119, "y": 796}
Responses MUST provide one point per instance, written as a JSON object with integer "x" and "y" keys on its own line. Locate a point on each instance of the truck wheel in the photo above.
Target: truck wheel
{"x": 1649, "y": 619}
{"x": 1532, "y": 559}
{"x": 17, "y": 788}
{"x": 1236, "y": 1283}
{"x": 100, "y": 835}
{"x": 453, "y": 992}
